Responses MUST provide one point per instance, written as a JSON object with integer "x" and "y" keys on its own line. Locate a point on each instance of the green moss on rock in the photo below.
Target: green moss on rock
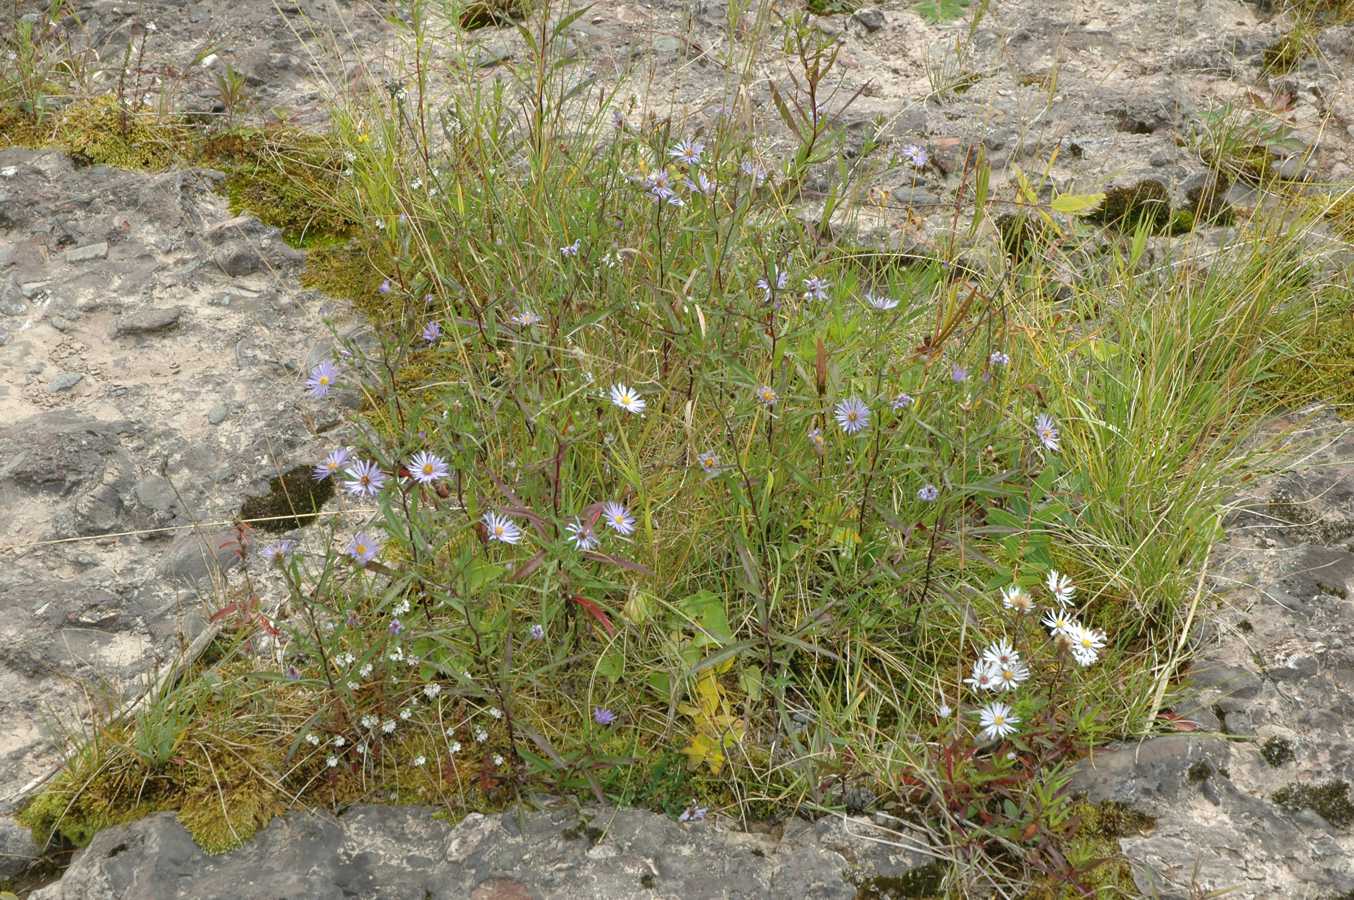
{"x": 1330, "y": 800}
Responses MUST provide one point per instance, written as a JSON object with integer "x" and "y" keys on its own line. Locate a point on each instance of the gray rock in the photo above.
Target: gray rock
{"x": 871, "y": 18}
{"x": 239, "y": 262}
{"x": 17, "y": 849}
{"x": 218, "y": 413}
{"x": 87, "y": 252}
{"x": 147, "y": 321}
{"x": 64, "y": 382}
{"x": 403, "y": 852}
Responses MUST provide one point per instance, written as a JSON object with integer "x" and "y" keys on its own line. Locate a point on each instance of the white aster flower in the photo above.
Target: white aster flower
{"x": 627, "y": 398}
{"x": 1017, "y": 598}
{"x": 501, "y": 528}
{"x": 1047, "y": 430}
{"x": 984, "y": 677}
{"x": 997, "y": 721}
{"x": 1060, "y": 586}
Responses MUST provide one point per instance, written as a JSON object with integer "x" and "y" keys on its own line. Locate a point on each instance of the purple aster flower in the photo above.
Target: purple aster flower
{"x": 928, "y": 493}
{"x": 902, "y": 401}
{"x": 571, "y": 249}
{"x": 853, "y": 415}
{"x": 364, "y": 547}
{"x": 1047, "y": 429}
{"x": 688, "y": 153}
{"x": 709, "y": 463}
{"x": 958, "y": 374}
{"x": 881, "y": 302}
{"x": 282, "y": 549}
{"x": 693, "y": 813}
{"x": 998, "y": 358}
{"x": 322, "y": 378}
{"x": 364, "y": 479}
{"x": 432, "y": 331}
{"x": 815, "y": 288}
{"x": 618, "y": 518}
{"x": 603, "y": 716}
{"x": 396, "y": 627}
{"x": 537, "y": 632}
{"x": 582, "y": 536}
{"x": 916, "y": 154}
{"x": 702, "y": 185}
{"x": 755, "y": 171}
{"x": 332, "y": 464}
{"x": 385, "y": 287}
{"x": 425, "y": 468}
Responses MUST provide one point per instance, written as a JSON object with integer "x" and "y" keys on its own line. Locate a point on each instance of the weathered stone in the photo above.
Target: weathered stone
{"x": 147, "y": 321}
{"x": 64, "y": 382}
{"x": 399, "y": 852}
{"x": 87, "y": 252}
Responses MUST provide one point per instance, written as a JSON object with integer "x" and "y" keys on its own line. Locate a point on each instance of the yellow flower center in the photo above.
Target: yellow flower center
{"x": 427, "y": 468}
{"x": 361, "y": 549}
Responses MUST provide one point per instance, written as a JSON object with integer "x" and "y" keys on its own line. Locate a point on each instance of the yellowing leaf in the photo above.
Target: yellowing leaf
{"x": 1076, "y": 204}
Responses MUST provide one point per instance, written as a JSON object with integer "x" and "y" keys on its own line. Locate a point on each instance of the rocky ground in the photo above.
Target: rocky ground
{"x": 152, "y": 348}
{"x": 403, "y": 852}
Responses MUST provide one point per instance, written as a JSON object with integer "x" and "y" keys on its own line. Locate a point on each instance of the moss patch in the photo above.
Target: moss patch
{"x": 1276, "y": 751}
{"x": 1329, "y": 800}
{"x": 293, "y": 500}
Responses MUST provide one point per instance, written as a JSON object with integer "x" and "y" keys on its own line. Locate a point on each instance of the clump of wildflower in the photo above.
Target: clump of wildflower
{"x": 618, "y": 518}
{"x": 984, "y": 676}
{"x": 928, "y": 493}
{"x": 815, "y": 288}
{"x": 603, "y": 716}
{"x": 753, "y": 170}
{"x": 916, "y": 155}
{"x": 331, "y": 465}
{"x": 537, "y": 632}
{"x": 958, "y": 374}
{"x": 498, "y": 759}
{"x": 481, "y": 735}
{"x": 571, "y": 249}
{"x": 1047, "y": 430}
{"x": 1061, "y": 587}
{"x": 331, "y": 761}
{"x": 782, "y": 279}
{"x": 852, "y": 415}
{"x": 902, "y": 401}
{"x": 425, "y": 467}
{"x": 1015, "y": 597}
{"x": 313, "y": 740}
{"x": 767, "y": 395}
{"x": 385, "y": 287}
{"x": 277, "y": 550}
{"x": 420, "y": 760}
{"x": 322, "y": 378}
{"x": 582, "y": 536}
{"x": 501, "y": 528}
{"x": 365, "y": 479}
{"x": 998, "y": 358}
{"x": 396, "y": 626}
{"x": 431, "y": 690}
{"x": 363, "y": 547}
{"x": 627, "y": 398}
{"x": 432, "y": 331}
{"x": 997, "y": 721}
{"x": 388, "y": 726}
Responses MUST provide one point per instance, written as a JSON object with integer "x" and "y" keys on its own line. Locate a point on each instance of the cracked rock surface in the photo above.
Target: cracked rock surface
{"x": 146, "y": 392}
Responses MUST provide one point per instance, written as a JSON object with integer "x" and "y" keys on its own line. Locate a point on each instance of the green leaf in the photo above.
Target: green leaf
{"x": 480, "y": 574}
{"x": 706, "y": 608}
{"x": 1076, "y": 204}
{"x": 937, "y": 11}
{"x": 612, "y": 664}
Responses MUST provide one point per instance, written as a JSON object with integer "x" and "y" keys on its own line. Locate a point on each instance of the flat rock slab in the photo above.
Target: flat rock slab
{"x": 119, "y": 474}
{"x": 1259, "y": 803}
{"x": 562, "y": 854}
